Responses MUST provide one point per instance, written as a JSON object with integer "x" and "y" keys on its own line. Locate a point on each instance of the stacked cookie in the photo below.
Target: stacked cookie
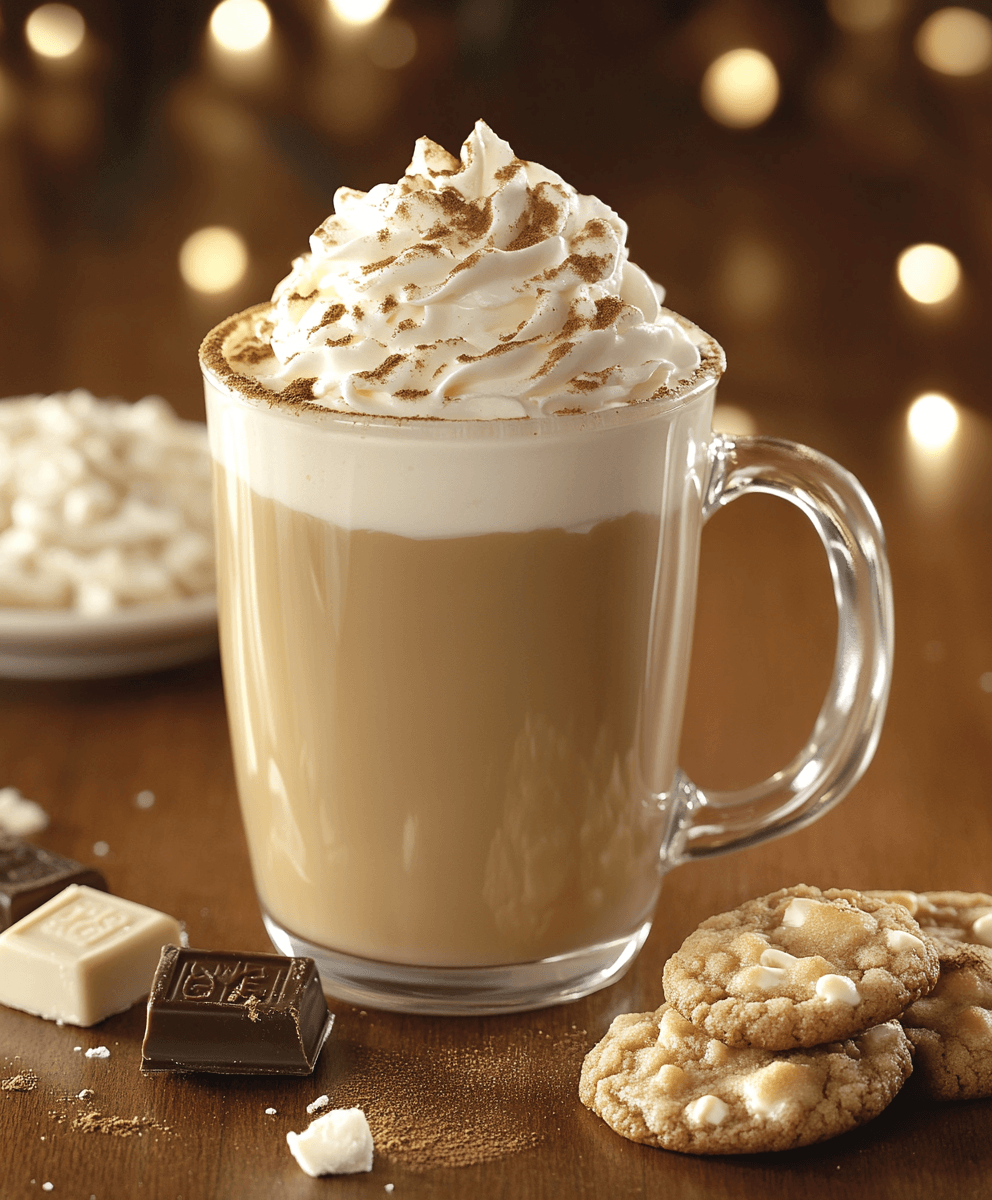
{"x": 779, "y": 1029}
{"x": 951, "y": 1027}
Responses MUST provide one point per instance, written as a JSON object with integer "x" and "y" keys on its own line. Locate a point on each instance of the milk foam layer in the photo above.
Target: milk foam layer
{"x": 480, "y": 288}
{"x": 438, "y": 479}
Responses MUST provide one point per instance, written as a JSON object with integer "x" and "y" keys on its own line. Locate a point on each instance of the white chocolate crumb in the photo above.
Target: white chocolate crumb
{"x": 319, "y": 1103}
{"x": 388, "y": 1187}
{"x": 98, "y": 1052}
{"x": 144, "y": 799}
{"x": 101, "y": 849}
{"x": 838, "y": 989}
{"x": 20, "y": 816}
{"x": 270, "y": 1112}
{"x": 85, "y": 1094}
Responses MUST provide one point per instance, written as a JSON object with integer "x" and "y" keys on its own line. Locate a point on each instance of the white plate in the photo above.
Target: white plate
{"x": 59, "y": 644}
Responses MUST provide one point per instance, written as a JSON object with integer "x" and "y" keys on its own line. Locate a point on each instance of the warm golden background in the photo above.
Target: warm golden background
{"x": 775, "y": 160}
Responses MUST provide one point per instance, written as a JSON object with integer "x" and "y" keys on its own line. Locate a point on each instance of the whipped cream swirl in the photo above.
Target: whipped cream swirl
{"x": 484, "y": 287}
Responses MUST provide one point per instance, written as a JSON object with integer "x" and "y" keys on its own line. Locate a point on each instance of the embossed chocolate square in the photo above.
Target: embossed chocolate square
{"x": 29, "y": 876}
{"x": 234, "y": 1014}
{"x": 82, "y": 956}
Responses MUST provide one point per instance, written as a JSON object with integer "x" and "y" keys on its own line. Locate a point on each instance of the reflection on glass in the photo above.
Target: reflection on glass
{"x": 358, "y": 12}
{"x": 213, "y": 259}
{"x": 955, "y": 41}
{"x": 932, "y": 421}
{"x": 740, "y": 88}
{"x": 731, "y": 419}
{"x": 55, "y": 30}
{"x": 928, "y": 273}
{"x": 863, "y": 16}
{"x": 392, "y": 43}
{"x": 240, "y": 25}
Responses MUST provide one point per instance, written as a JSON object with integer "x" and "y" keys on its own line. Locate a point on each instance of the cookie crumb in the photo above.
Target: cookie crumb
{"x": 25, "y": 1081}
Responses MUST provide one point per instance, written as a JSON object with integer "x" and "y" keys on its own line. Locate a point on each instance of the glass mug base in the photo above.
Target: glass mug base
{"x": 465, "y": 991}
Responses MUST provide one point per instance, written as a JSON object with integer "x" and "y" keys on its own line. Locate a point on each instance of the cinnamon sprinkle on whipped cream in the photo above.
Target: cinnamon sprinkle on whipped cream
{"x": 483, "y": 287}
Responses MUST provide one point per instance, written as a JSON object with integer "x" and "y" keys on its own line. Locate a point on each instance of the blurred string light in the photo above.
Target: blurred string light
{"x": 955, "y": 41}
{"x": 392, "y": 43}
{"x": 928, "y": 273}
{"x": 240, "y": 25}
{"x": 358, "y": 12}
{"x": 932, "y": 421}
{"x": 740, "y": 88}
{"x": 731, "y": 419}
{"x": 864, "y": 16}
{"x": 55, "y": 30}
{"x": 213, "y": 259}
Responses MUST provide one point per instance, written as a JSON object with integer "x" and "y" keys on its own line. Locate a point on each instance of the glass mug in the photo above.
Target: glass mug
{"x": 455, "y": 657}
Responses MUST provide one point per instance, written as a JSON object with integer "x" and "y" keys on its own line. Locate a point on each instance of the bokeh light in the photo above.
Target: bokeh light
{"x": 358, "y": 12}
{"x": 864, "y": 16}
{"x": 955, "y": 41}
{"x": 740, "y": 88}
{"x": 55, "y": 30}
{"x": 932, "y": 421}
{"x": 928, "y": 273}
{"x": 732, "y": 419}
{"x": 213, "y": 259}
{"x": 240, "y": 25}
{"x": 392, "y": 43}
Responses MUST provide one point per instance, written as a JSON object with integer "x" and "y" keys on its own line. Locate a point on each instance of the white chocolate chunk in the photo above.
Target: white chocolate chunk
{"x": 769, "y": 1092}
{"x": 981, "y": 930}
{"x": 82, "y": 956}
{"x": 899, "y": 939}
{"x": 338, "y": 1143}
{"x": 670, "y": 1079}
{"x": 763, "y": 978}
{"x": 838, "y": 989}
{"x": 673, "y": 1027}
{"x": 707, "y": 1110}
{"x": 777, "y": 958}
{"x": 797, "y": 912}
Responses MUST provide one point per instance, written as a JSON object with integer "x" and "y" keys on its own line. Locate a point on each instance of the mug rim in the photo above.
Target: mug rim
{"x": 247, "y": 391}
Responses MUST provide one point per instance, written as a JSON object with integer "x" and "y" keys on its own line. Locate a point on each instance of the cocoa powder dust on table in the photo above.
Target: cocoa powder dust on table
{"x": 95, "y": 1122}
{"x": 448, "y": 1107}
{"x": 26, "y": 1081}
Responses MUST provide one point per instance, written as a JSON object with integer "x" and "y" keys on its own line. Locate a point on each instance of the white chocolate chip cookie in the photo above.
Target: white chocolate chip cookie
{"x": 800, "y": 967}
{"x": 659, "y": 1079}
{"x": 951, "y": 1029}
{"x": 960, "y": 916}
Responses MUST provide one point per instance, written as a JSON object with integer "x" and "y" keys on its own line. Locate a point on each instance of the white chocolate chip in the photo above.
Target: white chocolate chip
{"x": 838, "y": 989}
{"x": 777, "y": 958}
{"x": 670, "y": 1079}
{"x": 981, "y": 929}
{"x": 899, "y": 939}
{"x": 797, "y": 912}
{"x": 707, "y": 1110}
{"x": 763, "y": 978}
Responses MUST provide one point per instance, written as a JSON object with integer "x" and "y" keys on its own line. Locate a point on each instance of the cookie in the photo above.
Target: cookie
{"x": 960, "y": 916}
{"x": 800, "y": 967}
{"x": 951, "y": 1028}
{"x": 657, "y": 1078}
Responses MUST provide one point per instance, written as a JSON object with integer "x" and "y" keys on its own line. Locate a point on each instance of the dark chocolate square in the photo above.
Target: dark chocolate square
{"x": 29, "y": 876}
{"x": 236, "y": 1014}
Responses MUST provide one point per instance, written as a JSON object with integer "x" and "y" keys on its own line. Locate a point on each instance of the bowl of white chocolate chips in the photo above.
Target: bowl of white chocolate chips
{"x": 106, "y": 537}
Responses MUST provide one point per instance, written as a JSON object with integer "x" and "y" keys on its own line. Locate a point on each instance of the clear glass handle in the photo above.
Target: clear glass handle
{"x": 846, "y": 731}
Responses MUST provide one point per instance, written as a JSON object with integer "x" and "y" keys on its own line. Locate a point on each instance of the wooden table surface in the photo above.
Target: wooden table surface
{"x": 782, "y": 242}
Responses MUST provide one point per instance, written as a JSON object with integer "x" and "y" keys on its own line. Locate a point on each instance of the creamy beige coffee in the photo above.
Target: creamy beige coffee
{"x": 436, "y": 738}
{"x": 459, "y": 463}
